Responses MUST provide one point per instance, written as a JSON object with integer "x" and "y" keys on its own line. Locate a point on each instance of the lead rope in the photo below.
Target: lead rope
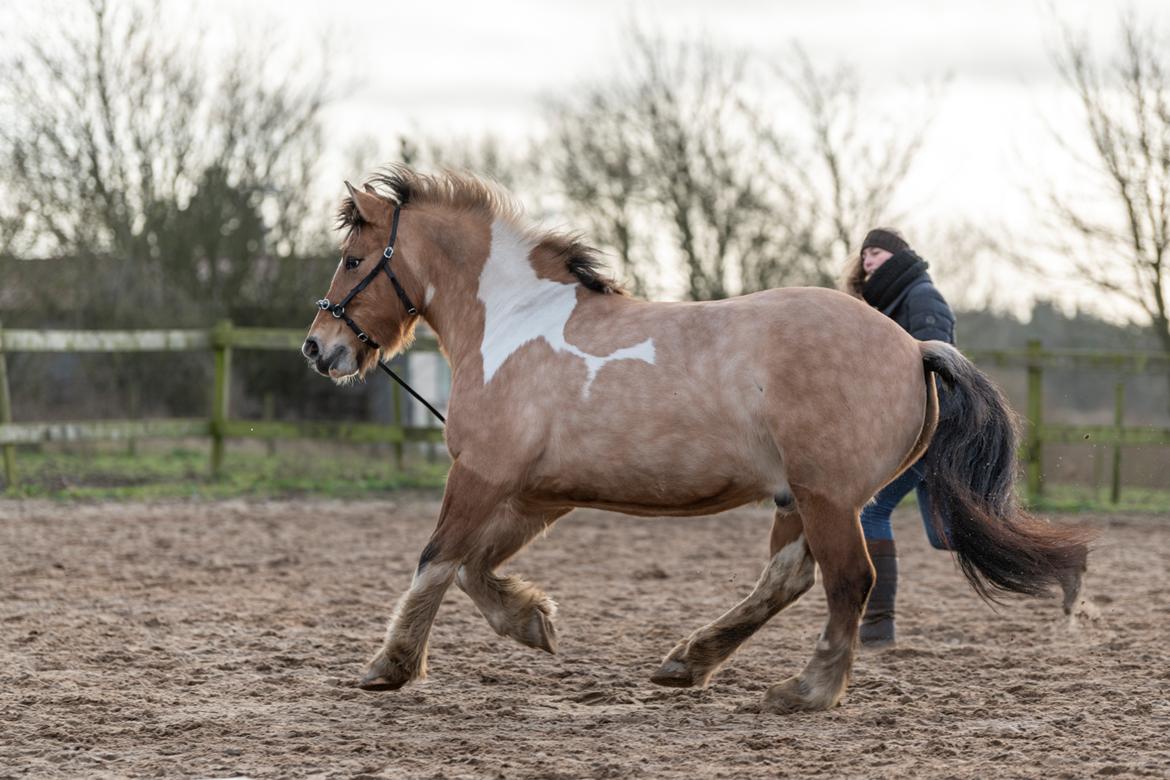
{"x": 410, "y": 390}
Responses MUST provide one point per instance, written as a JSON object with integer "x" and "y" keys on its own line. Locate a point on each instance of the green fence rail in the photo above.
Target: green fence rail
{"x": 219, "y": 425}
{"x": 1035, "y": 359}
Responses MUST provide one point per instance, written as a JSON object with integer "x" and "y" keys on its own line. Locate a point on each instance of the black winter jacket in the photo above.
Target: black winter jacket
{"x": 923, "y": 312}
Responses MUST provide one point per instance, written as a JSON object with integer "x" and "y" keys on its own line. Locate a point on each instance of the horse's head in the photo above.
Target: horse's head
{"x": 364, "y": 317}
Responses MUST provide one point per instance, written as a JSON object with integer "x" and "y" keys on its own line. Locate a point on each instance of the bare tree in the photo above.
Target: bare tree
{"x": 1126, "y": 110}
{"x": 176, "y": 186}
{"x": 666, "y": 150}
{"x": 850, "y": 162}
{"x": 595, "y": 160}
{"x": 962, "y": 255}
{"x": 684, "y": 145}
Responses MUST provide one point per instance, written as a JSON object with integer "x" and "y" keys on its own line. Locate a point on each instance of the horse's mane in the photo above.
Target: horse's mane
{"x": 464, "y": 192}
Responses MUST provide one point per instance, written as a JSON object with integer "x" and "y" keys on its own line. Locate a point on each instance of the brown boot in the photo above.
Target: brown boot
{"x": 877, "y": 624}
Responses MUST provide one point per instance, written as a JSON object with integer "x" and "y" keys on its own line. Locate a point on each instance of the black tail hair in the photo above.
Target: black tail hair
{"x": 971, "y": 469}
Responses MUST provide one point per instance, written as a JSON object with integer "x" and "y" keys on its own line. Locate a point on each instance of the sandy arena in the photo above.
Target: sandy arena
{"x": 224, "y": 639}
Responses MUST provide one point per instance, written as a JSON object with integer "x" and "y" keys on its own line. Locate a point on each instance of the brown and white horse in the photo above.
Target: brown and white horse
{"x": 567, "y": 392}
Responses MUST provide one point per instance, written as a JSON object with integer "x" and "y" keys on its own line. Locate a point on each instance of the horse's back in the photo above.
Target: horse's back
{"x": 739, "y": 392}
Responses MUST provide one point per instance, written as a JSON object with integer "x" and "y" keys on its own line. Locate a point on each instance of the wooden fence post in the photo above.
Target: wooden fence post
{"x": 269, "y": 416}
{"x": 6, "y": 417}
{"x": 222, "y": 344}
{"x": 396, "y": 391}
{"x": 1118, "y": 418}
{"x": 135, "y": 414}
{"x": 1035, "y": 419}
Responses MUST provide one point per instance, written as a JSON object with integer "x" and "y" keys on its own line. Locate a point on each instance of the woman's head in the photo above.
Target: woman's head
{"x": 880, "y": 245}
{"x": 872, "y": 258}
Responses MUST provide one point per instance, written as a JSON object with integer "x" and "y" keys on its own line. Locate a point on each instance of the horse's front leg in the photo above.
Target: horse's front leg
{"x": 512, "y": 607}
{"x": 467, "y": 503}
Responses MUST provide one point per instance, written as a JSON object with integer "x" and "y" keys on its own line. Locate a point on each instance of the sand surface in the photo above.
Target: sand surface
{"x": 223, "y": 640}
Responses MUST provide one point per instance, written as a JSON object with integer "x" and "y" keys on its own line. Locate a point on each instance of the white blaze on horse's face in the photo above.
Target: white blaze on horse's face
{"x": 520, "y": 307}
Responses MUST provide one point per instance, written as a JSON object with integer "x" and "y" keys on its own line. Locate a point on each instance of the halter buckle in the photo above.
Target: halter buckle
{"x": 324, "y": 304}
{"x": 362, "y": 337}
{"x": 388, "y": 252}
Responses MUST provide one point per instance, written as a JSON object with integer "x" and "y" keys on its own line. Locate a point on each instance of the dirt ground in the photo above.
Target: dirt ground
{"x": 220, "y": 640}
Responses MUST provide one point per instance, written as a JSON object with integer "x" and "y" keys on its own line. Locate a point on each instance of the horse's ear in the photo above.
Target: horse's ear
{"x": 370, "y": 206}
{"x": 369, "y": 188}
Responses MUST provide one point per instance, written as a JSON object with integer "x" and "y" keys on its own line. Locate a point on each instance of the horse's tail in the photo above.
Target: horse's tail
{"x": 970, "y": 473}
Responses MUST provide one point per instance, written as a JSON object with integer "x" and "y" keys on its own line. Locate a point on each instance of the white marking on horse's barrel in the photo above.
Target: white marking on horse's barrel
{"x": 520, "y": 307}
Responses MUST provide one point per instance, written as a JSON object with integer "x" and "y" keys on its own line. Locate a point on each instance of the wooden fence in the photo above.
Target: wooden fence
{"x": 1035, "y": 359}
{"x": 220, "y": 426}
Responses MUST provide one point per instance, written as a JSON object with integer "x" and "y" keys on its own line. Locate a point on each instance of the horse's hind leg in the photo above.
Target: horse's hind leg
{"x": 511, "y": 606}
{"x": 790, "y": 573}
{"x": 835, "y": 539}
{"x": 467, "y": 503}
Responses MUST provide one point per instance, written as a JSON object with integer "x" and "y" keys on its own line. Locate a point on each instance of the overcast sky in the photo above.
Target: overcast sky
{"x": 464, "y": 68}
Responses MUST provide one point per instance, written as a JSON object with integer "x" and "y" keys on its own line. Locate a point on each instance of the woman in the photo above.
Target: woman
{"x": 889, "y": 276}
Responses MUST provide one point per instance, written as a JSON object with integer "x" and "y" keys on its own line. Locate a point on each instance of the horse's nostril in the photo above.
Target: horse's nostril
{"x": 311, "y": 349}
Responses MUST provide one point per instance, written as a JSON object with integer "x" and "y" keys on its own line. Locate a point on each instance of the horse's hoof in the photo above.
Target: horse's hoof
{"x": 385, "y": 675}
{"x": 379, "y": 683}
{"x": 542, "y": 633}
{"x": 673, "y": 674}
{"x": 793, "y": 695}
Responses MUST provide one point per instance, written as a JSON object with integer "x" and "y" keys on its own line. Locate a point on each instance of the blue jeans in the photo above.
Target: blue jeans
{"x": 875, "y": 516}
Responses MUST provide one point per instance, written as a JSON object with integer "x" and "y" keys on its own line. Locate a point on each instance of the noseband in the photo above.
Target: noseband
{"x": 338, "y": 309}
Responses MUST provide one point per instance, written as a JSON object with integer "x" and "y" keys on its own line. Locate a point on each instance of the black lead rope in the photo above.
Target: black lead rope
{"x": 410, "y": 390}
{"x": 338, "y": 310}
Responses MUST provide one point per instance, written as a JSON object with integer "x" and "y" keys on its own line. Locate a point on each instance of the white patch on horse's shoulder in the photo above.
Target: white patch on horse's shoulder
{"x": 430, "y": 295}
{"x": 520, "y": 307}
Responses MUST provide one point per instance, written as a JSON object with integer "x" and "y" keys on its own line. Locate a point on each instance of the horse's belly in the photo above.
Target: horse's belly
{"x": 681, "y": 499}
{"x": 641, "y": 471}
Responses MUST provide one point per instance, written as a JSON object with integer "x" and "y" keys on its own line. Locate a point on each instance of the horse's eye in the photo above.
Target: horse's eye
{"x": 352, "y": 263}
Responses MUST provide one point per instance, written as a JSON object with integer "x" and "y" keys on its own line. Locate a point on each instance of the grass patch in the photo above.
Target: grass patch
{"x": 1085, "y": 498}
{"x": 158, "y": 470}
{"x": 154, "y": 471}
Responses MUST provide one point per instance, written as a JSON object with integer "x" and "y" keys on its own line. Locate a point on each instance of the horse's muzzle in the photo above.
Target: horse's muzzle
{"x": 337, "y": 363}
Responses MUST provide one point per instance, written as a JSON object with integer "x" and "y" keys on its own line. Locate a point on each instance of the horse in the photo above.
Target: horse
{"x": 568, "y": 392}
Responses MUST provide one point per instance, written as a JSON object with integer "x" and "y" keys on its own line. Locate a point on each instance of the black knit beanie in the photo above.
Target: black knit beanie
{"x": 885, "y": 238}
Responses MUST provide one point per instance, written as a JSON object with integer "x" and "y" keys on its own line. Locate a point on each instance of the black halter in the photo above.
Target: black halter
{"x": 338, "y": 309}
